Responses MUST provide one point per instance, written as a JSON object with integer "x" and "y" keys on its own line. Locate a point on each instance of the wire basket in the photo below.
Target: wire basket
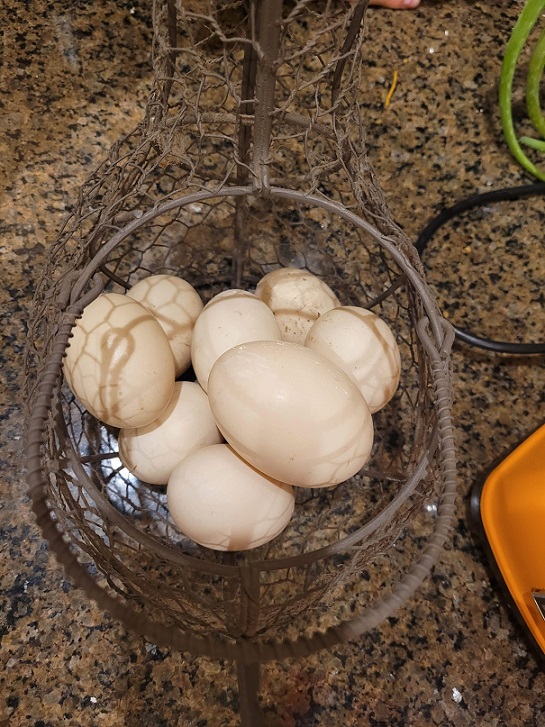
{"x": 251, "y": 156}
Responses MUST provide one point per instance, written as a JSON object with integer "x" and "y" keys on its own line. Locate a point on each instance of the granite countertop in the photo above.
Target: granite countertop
{"x": 75, "y": 78}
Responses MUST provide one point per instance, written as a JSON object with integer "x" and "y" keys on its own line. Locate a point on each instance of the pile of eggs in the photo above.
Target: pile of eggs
{"x": 287, "y": 381}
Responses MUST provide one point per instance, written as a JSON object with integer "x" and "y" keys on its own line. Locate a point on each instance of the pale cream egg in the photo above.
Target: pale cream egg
{"x": 364, "y": 346}
{"x": 297, "y": 298}
{"x": 291, "y": 413}
{"x": 152, "y": 452}
{"x": 176, "y": 305}
{"x": 229, "y": 318}
{"x": 220, "y": 501}
{"x": 119, "y": 363}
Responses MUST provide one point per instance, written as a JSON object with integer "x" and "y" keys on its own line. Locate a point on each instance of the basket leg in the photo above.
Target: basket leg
{"x": 248, "y": 688}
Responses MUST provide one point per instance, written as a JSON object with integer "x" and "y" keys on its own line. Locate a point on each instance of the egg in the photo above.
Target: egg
{"x": 220, "y": 501}
{"x": 176, "y": 305}
{"x": 291, "y": 413}
{"x": 119, "y": 363}
{"x": 152, "y": 452}
{"x": 364, "y": 346}
{"x": 297, "y": 298}
{"x": 229, "y": 318}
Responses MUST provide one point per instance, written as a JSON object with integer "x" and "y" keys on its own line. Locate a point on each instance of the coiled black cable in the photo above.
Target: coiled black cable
{"x": 509, "y": 194}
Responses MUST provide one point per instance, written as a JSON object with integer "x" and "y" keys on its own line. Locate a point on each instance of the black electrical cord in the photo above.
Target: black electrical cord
{"x": 508, "y": 194}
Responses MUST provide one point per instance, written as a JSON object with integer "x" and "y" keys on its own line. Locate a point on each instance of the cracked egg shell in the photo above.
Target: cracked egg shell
{"x": 364, "y": 346}
{"x": 297, "y": 298}
{"x": 176, "y": 305}
{"x": 119, "y": 363}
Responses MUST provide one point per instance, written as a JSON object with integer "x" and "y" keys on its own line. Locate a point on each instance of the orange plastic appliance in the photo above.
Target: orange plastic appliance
{"x": 510, "y": 508}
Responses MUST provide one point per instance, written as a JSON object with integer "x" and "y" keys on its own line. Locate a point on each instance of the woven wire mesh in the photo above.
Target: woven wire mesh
{"x": 251, "y": 156}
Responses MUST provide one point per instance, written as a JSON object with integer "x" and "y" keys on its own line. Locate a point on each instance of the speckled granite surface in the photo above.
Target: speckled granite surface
{"x": 73, "y": 79}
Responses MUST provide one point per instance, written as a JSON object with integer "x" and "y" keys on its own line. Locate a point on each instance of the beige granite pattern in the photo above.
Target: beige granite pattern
{"x": 73, "y": 78}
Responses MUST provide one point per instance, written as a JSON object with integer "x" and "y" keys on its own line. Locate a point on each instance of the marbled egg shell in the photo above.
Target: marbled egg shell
{"x": 229, "y": 318}
{"x": 176, "y": 305}
{"x": 119, "y": 363}
{"x": 364, "y": 346}
{"x": 220, "y": 501}
{"x": 152, "y": 452}
{"x": 297, "y": 298}
{"x": 291, "y": 413}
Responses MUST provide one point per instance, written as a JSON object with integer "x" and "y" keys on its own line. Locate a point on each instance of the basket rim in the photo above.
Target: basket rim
{"x": 436, "y": 320}
{"x": 437, "y": 346}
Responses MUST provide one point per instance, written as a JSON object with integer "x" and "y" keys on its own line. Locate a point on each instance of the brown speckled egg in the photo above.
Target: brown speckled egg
{"x": 297, "y": 298}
